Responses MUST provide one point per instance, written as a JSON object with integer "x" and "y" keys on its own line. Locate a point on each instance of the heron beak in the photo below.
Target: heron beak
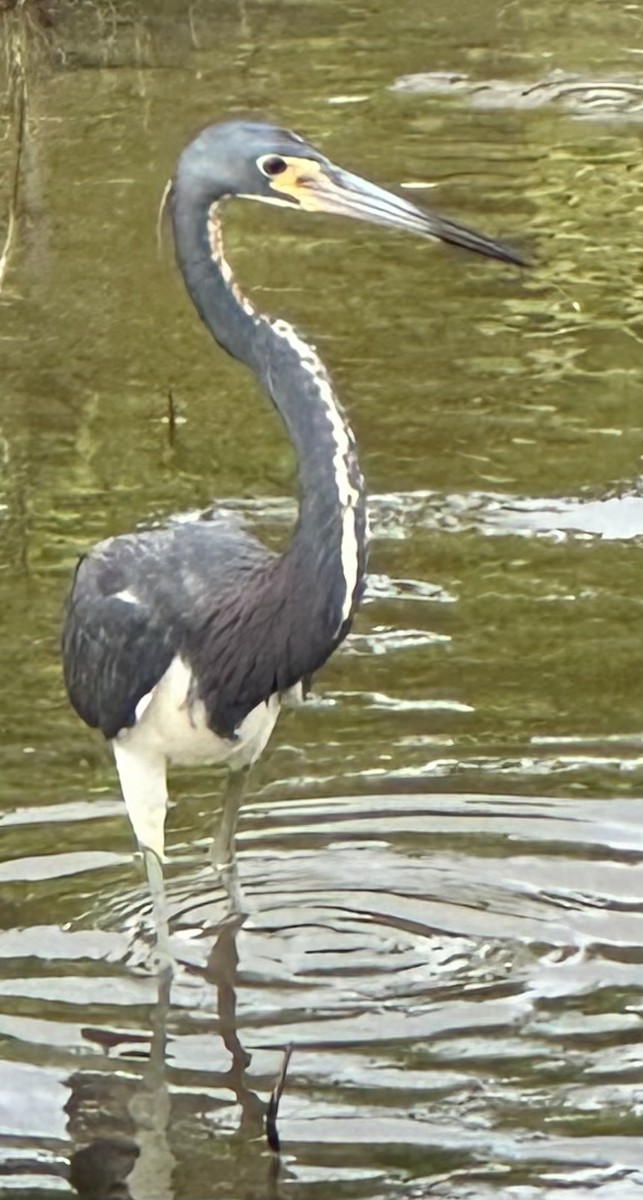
{"x": 327, "y": 188}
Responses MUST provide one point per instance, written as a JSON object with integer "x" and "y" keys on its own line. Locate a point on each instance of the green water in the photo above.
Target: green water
{"x": 443, "y": 850}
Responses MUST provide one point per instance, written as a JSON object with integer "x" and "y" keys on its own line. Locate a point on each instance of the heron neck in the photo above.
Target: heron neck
{"x": 324, "y": 565}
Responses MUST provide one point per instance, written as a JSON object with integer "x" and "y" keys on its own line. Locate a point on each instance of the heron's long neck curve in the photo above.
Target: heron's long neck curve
{"x": 324, "y": 565}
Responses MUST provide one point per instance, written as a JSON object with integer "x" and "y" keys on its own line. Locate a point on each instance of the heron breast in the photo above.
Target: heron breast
{"x": 170, "y": 721}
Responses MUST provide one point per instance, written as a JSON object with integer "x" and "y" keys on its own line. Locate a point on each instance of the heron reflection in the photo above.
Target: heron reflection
{"x": 126, "y": 1124}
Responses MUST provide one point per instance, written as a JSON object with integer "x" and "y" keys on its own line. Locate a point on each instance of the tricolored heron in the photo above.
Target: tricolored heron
{"x": 179, "y": 643}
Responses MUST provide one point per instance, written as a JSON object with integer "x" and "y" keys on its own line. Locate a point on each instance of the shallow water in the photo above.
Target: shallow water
{"x": 442, "y": 851}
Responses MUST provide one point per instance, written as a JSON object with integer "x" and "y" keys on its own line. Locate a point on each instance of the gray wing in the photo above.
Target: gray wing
{"x": 115, "y": 649}
{"x": 139, "y": 600}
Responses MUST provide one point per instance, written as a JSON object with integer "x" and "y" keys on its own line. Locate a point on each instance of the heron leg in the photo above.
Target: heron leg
{"x": 222, "y": 849}
{"x": 156, "y": 884}
{"x": 142, "y": 775}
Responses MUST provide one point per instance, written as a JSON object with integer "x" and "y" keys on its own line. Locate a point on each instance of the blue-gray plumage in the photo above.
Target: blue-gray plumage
{"x": 178, "y": 643}
{"x": 150, "y": 596}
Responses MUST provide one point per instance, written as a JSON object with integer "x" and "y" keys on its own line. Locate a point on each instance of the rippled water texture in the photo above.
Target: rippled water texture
{"x": 443, "y": 850}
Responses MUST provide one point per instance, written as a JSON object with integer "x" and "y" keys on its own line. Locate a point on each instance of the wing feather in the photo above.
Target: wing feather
{"x": 114, "y": 652}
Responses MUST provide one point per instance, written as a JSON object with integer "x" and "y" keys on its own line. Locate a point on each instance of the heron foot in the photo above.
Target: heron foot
{"x": 228, "y": 876}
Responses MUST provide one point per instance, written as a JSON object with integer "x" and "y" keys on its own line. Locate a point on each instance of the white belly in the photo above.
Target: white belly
{"x": 169, "y": 724}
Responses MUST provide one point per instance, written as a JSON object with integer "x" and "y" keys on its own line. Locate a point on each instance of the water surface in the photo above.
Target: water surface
{"x": 442, "y": 852}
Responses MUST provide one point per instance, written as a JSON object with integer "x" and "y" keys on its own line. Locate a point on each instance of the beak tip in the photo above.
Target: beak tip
{"x": 514, "y": 258}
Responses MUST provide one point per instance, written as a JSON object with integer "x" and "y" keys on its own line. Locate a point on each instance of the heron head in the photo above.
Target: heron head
{"x": 259, "y": 161}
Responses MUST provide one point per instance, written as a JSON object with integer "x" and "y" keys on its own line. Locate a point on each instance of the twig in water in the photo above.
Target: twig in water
{"x": 272, "y": 1135}
{"x": 171, "y": 417}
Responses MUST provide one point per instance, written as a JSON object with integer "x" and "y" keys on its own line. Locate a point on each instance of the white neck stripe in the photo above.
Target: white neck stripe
{"x": 345, "y": 467}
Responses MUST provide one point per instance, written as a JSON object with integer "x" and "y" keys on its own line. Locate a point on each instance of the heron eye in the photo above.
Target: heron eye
{"x": 272, "y": 165}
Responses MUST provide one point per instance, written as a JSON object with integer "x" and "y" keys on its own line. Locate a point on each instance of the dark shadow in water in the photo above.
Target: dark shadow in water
{"x": 99, "y": 1171}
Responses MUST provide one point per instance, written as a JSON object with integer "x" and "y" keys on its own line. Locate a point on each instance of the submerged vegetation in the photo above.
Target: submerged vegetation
{"x": 16, "y": 42}
{"x": 107, "y": 33}
{"x": 45, "y": 35}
